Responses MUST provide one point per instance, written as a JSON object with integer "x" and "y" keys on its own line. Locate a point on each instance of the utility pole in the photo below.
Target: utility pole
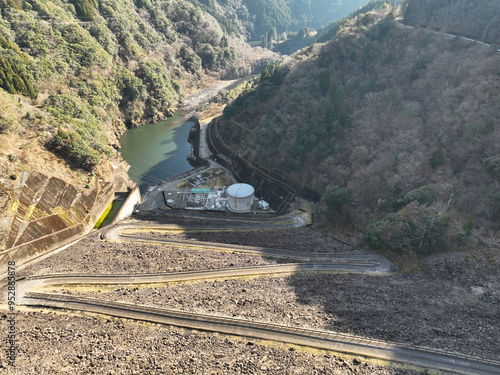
{"x": 484, "y": 34}
{"x": 447, "y": 205}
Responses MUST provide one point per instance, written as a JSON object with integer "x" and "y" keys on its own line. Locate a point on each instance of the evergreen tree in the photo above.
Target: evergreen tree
{"x": 85, "y": 8}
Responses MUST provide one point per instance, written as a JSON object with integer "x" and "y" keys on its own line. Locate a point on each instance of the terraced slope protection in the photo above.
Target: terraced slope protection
{"x": 47, "y": 212}
{"x": 435, "y": 359}
{"x": 357, "y": 261}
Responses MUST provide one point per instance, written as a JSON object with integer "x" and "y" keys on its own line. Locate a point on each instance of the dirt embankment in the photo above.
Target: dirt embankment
{"x": 452, "y": 303}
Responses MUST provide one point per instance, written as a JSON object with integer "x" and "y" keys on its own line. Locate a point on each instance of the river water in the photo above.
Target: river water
{"x": 157, "y": 151}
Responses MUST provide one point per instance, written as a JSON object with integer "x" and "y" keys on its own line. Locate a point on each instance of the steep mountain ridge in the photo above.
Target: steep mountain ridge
{"x": 253, "y": 18}
{"x": 75, "y": 74}
{"x": 91, "y": 69}
{"x": 387, "y": 122}
{"x": 472, "y": 19}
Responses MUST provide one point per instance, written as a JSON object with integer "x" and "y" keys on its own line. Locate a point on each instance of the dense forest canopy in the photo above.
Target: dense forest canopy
{"x": 255, "y": 17}
{"x": 291, "y": 15}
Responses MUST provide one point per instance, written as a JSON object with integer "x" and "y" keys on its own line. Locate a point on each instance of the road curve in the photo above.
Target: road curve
{"x": 423, "y": 357}
{"x": 132, "y": 232}
{"x": 25, "y": 285}
{"x": 358, "y": 261}
{"x": 446, "y": 34}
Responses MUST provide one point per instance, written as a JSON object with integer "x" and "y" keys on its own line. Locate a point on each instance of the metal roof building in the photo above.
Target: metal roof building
{"x": 240, "y": 197}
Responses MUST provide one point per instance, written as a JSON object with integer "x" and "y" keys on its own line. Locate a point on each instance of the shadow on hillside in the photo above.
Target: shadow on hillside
{"x": 435, "y": 307}
{"x": 426, "y": 309}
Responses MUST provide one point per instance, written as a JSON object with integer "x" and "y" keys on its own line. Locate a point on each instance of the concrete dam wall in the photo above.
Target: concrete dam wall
{"x": 46, "y": 212}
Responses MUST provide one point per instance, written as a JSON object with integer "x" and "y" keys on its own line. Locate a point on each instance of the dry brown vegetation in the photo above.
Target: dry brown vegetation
{"x": 382, "y": 110}
{"x": 473, "y": 19}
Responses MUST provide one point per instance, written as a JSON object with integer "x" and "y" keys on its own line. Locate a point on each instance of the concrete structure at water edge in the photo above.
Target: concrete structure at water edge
{"x": 240, "y": 197}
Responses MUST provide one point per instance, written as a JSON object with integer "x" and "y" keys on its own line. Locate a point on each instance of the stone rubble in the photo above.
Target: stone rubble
{"x": 451, "y": 302}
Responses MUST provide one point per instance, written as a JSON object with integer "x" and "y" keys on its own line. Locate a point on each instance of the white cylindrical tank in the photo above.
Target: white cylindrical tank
{"x": 240, "y": 197}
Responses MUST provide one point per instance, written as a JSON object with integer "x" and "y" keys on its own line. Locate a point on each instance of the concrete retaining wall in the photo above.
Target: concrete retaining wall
{"x": 133, "y": 199}
{"x": 34, "y": 238}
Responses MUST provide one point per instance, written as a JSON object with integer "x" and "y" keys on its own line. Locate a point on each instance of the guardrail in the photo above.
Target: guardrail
{"x": 166, "y": 277}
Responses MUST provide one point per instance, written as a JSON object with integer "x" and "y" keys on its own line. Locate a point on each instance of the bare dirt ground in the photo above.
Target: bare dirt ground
{"x": 452, "y": 302}
{"x": 196, "y": 100}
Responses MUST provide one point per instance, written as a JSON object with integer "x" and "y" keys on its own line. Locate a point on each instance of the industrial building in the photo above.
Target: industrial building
{"x": 240, "y": 197}
{"x": 206, "y": 199}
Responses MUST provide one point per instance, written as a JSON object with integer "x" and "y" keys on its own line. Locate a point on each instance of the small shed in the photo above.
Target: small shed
{"x": 263, "y": 205}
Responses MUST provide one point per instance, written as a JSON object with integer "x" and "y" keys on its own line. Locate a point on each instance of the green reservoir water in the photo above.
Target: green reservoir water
{"x": 157, "y": 151}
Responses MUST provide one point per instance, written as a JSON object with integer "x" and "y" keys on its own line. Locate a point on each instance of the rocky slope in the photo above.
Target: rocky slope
{"x": 451, "y": 302}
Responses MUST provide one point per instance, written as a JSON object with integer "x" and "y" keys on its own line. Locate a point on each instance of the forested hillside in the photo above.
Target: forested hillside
{"x": 85, "y": 70}
{"x": 291, "y": 15}
{"x": 75, "y": 74}
{"x": 396, "y": 127}
{"x": 254, "y": 18}
{"x": 479, "y": 20}
{"x": 93, "y": 67}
